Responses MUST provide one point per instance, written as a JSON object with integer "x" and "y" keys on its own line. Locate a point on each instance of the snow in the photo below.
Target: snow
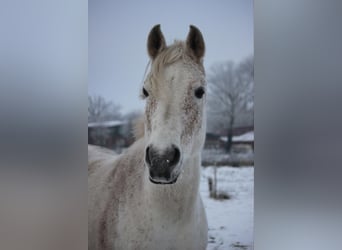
{"x": 230, "y": 221}
{"x": 249, "y": 136}
{"x": 245, "y": 137}
{"x": 106, "y": 124}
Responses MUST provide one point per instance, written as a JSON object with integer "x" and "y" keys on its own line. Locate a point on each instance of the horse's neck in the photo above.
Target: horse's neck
{"x": 179, "y": 198}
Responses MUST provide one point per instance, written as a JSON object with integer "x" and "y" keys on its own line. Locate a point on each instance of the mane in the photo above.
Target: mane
{"x": 171, "y": 54}
{"x": 139, "y": 128}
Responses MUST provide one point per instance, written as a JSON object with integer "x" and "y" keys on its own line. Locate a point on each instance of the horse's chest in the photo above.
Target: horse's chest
{"x": 149, "y": 232}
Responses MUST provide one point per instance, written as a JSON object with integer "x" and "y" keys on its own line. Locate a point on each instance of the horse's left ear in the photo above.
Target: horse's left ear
{"x": 195, "y": 43}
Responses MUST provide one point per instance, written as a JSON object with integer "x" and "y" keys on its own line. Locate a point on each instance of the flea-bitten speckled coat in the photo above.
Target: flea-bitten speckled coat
{"x": 125, "y": 209}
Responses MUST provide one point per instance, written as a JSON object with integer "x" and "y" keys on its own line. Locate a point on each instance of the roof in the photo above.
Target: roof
{"x": 106, "y": 124}
{"x": 249, "y": 136}
{"x": 245, "y": 137}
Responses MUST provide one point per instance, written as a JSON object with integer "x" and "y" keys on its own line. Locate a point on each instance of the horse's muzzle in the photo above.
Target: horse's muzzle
{"x": 162, "y": 181}
{"x": 162, "y": 164}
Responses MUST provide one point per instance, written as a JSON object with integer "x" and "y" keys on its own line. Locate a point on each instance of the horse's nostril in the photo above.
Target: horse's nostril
{"x": 174, "y": 156}
{"x": 147, "y": 155}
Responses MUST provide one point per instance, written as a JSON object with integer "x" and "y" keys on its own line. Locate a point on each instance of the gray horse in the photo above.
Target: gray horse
{"x": 148, "y": 197}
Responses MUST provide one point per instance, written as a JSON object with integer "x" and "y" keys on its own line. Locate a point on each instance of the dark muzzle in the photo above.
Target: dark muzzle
{"x": 161, "y": 164}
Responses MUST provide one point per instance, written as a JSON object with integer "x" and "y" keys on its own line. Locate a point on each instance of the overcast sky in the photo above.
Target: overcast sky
{"x": 118, "y": 32}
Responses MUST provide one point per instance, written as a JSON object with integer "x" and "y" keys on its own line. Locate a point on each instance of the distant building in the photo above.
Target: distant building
{"x": 246, "y": 139}
{"x": 213, "y": 141}
{"x": 242, "y": 136}
{"x": 242, "y": 130}
{"x": 109, "y": 134}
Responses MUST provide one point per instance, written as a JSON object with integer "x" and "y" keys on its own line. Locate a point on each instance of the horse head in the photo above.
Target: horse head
{"x": 174, "y": 90}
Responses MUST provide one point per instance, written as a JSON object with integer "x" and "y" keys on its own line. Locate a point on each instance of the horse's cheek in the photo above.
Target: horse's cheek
{"x": 150, "y": 109}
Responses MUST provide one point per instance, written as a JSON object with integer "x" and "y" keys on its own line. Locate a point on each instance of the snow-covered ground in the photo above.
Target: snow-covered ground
{"x": 230, "y": 222}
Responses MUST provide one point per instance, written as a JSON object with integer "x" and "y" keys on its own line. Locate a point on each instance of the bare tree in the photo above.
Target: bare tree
{"x": 230, "y": 96}
{"x": 245, "y": 72}
{"x": 99, "y": 109}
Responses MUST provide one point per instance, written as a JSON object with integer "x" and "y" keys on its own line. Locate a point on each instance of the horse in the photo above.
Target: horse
{"x": 148, "y": 197}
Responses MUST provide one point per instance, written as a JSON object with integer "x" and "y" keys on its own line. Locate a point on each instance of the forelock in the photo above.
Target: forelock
{"x": 171, "y": 54}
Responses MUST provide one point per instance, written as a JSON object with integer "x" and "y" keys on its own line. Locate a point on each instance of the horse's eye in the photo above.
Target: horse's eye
{"x": 199, "y": 92}
{"x": 145, "y": 92}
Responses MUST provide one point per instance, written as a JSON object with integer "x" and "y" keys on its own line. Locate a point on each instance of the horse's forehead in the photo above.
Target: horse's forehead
{"x": 175, "y": 81}
{"x": 182, "y": 70}
{"x": 179, "y": 77}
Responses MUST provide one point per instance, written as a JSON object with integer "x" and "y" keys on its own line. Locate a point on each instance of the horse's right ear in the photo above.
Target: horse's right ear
{"x": 155, "y": 42}
{"x": 195, "y": 43}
